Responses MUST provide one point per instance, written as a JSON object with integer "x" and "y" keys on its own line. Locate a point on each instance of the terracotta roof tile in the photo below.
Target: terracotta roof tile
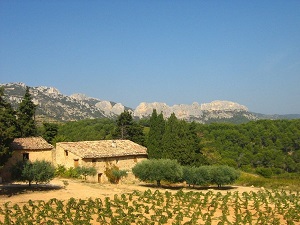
{"x": 31, "y": 143}
{"x": 103, "y": 148}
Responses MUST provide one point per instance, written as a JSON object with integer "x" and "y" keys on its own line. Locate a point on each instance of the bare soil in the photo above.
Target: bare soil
{"x": 57, "y": 188}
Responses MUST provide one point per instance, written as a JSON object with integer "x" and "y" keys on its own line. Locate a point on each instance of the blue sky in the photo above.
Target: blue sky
{"x": 177, "y": 52}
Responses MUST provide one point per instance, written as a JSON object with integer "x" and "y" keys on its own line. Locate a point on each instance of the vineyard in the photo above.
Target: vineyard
{"x": 158, "y": 207}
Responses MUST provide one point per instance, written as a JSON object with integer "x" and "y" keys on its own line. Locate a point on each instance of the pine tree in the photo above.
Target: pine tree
{"x": 157, "y": 128}
{"x": 26, "y": 116}
{"x": 127, "y": 129}
{"x": 7, "y": 128}
{"x": 124, "y": 121}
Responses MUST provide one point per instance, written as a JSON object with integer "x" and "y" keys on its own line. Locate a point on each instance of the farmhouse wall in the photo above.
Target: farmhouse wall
{"x": 68, "y": 158}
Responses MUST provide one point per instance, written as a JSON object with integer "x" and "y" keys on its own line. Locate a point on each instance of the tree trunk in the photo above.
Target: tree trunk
{"x": 158, "y": 183}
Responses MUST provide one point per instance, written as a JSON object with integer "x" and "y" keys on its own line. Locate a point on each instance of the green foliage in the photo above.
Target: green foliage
{"x": 265, "y": 172}
{"x": 86, "y": 171}
{"x": 158, "y": 170}
{"x": 127, "y": 129}
{"x": 114, "y": 174}
{"x": 205, "y": 175}
{"x": 62, "y": 171}
{"x": 221, "y": 175}
{"x": 180, "y": 141}
{"x": 155, "y": 134}
{"x": 37, "y": 171}
{"x": 86, "y": 130}
{"x": 26, "y": 113}
{"x": 71, "y": 173}
{"x": 263, "y": 143}
{"x": 8, "y": 130}
{"x": 124, "y": 123}
{"x": 119, "y": 174}
{"x": 50, "y": 131}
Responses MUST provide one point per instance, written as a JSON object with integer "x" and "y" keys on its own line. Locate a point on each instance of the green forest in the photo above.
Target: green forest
{"x": 267, "y": 147}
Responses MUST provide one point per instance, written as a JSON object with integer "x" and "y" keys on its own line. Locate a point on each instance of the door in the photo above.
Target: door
{"x": 99, "y": 177}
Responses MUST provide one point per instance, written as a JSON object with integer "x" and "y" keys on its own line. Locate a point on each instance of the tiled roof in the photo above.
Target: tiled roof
{"x": 103, "y": 148}
{"x": 31, "y": 143}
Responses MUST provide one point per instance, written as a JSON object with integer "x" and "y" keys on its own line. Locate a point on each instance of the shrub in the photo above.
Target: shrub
{"x": 265, "y": 172}
{"x": 86, "y": 171}
{"x": 114, "y": 174}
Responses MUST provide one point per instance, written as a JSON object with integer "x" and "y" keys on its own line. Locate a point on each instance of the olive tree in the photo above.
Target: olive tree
{"x": 223, "y": 175}
{"x": 197, "y": 175}
{"x": 37, "y": 171}
{"x": 158, "y": 170}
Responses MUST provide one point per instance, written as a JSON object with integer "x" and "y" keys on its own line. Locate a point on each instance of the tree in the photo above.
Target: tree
{"x": 181, "y": 142}
{"x": 37, "y": 171}
{"x": 223, "y": 175}
{"x": 158, "y": 170}
{"x": 26, "y": 116}
{"x": 8, "y": 125}
{"x": 157, "y": 129}
{"x": 50, "y": 131}
{"x": 124, "y": 122}
{"x": 128, "y": 129}
{"x": 197, "y": 175}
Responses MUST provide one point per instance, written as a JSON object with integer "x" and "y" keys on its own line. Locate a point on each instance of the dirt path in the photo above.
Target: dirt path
{"x": 79, "y": 189}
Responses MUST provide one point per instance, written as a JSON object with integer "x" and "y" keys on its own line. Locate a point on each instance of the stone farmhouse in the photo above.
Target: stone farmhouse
{"x": 32, "y": 148}
{"x": 99, "y": 154}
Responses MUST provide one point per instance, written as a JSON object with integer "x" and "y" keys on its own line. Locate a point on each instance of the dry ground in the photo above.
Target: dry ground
{"x": 21, "y": 193}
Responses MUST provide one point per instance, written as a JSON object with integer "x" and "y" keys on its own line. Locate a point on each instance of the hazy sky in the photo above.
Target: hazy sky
{"x": 177, "y": 52}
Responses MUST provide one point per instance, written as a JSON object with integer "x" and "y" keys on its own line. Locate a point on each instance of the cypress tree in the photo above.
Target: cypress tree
{"x": 180, "y": 142}
{"x": 26, "y": 116}
{"x": 157, "y": 128}
{"x": 170, "y": 138}
{"x": 7, "y": 128}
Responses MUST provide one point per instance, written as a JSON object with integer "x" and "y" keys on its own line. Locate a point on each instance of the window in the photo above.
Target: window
{"x": 25, "y": 156}
{"x": 66, "y": 153}
{"x": 76, "y": 163}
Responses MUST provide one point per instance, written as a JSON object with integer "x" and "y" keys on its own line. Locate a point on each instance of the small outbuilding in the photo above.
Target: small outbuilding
{"x": 29, "y": 148}
{"x": 100, "y": 154}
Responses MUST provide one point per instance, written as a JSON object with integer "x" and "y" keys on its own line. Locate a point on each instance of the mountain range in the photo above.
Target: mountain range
{"x": 54, "y": 106}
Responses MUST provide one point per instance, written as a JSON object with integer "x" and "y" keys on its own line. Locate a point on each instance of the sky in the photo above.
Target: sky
{"x": 171, "y": 51}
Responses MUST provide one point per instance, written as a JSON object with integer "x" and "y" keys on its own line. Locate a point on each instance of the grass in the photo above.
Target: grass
{"x": 291, "y": 183}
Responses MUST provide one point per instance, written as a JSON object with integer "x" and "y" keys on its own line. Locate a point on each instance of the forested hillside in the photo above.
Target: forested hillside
{"x": 271, "y": 144}
{"x": 268, "y": 147}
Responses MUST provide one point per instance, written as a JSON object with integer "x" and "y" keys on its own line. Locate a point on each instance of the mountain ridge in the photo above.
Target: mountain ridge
{"x": 51, "y": 104}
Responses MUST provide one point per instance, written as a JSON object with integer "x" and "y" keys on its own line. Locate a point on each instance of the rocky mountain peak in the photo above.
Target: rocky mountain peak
{"x": 79, "y": 96}
{"x": 52, "y": 104}
{"x": 223, "y": 106}
{"x": 195, "y": 111}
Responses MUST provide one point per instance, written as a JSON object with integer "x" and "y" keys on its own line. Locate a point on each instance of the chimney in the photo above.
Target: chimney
{"x": 114, "y": 144}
